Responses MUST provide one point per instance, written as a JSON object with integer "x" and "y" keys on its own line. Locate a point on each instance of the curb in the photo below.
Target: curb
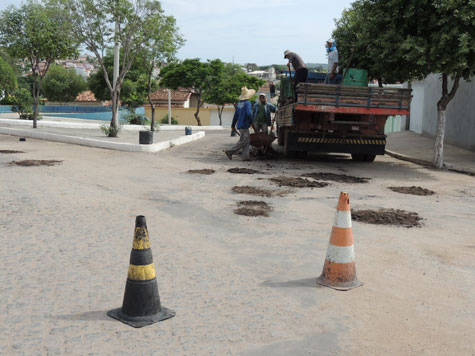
{"x": 429, "y": 164}
{"x": 79, "y": 125}
{"x": 119, "y": 146}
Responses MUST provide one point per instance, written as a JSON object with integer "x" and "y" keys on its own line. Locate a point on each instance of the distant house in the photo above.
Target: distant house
{"x": 268, "y": 74}
{"x": 181, "y": 98}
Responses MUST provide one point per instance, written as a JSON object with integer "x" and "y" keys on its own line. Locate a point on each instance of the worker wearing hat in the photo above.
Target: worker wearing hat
{"x": 332, "y": 76}
{"x": 300, "y": 68}
{"x": 243, "y": 119}
{"x": 261, "y": 113}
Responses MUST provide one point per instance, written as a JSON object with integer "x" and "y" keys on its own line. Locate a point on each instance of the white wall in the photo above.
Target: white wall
{"x": 460, "y": 127}
{"x": 417, "y": 107}
{"x": 227, "y": 117}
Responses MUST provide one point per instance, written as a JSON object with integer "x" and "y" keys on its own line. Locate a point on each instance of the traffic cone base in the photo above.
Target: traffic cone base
{"x": 141, "y": 321}
{"x": 141, "y": 305}
{"x": 339, "y": 270}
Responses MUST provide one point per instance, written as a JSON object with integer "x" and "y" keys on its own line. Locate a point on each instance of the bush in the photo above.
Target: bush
{"x": 106, "y": 129}
{"x": 135, "y": 119}
{"x": 29, "y": 116}
{"x": 165, "y": 120}
{"x": 22, "y": 102}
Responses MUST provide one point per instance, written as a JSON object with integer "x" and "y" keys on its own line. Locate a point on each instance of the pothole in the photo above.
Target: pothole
{"x": 253, "y": 208}
{"x": 387, "y": 217}
{"x": 297, "y": 182}
{"x": 341, "y": 178}
{"x": 259, "y": 191}
{"x": 205, "y": 171}
{"x": 10, "y": 151}
{"x": 243, "y": 171}
{"x": 35, "y": 163}
{"x": 412, "y": 190}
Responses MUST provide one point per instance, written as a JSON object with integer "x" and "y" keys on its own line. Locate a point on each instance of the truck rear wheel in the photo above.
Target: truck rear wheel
{"x": 280, "y": 136}
{"x": 361, "y": 157}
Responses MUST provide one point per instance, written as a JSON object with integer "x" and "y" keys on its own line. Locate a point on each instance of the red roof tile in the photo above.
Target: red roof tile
{"x": 86, "y": 96}
{"x": 180, "y": 95}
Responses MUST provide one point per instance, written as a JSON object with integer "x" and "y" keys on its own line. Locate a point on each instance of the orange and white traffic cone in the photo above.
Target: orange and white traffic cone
{"x": 339, "y": 270}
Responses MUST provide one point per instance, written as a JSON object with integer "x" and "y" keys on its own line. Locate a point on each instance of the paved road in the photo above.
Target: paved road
{"x": 239, "y": 285}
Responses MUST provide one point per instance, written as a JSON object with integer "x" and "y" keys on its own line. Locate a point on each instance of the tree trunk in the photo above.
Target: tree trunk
{"x": 380, "y": 82}
{"x": 36, "y": 102}
{"x": 197, "y": 117}
{"x": 152, "y": 125}
{"x": 149, "y": 97}
{"x": 220, "y": 113}
{"x": 197, "y": 113}
{"x": 439, "y": 137}
{"x": 113, "y": 128}
{"x": 441, "y": 118}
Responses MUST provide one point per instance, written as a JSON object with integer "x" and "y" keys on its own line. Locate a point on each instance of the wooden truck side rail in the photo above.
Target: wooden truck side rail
{"x": 354, "y": 97}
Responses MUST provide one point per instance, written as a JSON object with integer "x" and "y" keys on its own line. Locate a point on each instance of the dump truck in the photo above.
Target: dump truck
{"x": 337, "y": 118}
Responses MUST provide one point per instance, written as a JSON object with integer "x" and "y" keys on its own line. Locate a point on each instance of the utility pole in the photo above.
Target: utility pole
{"x": 116, "y": 67}
{"x": 169, "y": 107}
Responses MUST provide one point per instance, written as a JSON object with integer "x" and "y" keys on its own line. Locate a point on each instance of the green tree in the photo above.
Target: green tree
{"x": 133, "y": 91}
{"x": 63, "y": 85}
{"x": 26, "y": 82}
{"x": 159, "y": 49}
{"x": 22, "y": 101}
{"x": 408, "y": 40}
{"x": 8, "y": 81}
{"x": 366, "y": 37}
{"x": 102, "y": 24}
{"x": 192, "y": 74}
{"x": 227, "y": 88}
{"x": 40, "y": 34}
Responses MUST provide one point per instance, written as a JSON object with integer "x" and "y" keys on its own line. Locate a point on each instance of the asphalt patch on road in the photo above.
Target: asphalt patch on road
{"x": 253, "y": 208}
{"x": 246, "y": 189}
{"x": 243, "y": 171}
{"x": 297, "y": 182}
{"x": 412, "y": 190}
{"x": 394, "y": 217}
{"x": 340, "y": 178}
{"x": 205, "y": 171}
{"x": 35, "y": 163}
{"x": 10, "y": 151}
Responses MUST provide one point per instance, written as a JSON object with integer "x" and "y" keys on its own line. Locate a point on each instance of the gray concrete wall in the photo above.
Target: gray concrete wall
{"x": 460, "y": 130}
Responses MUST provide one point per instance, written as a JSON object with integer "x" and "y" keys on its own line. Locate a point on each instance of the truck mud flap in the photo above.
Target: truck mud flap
{"x": 311, "y": 143}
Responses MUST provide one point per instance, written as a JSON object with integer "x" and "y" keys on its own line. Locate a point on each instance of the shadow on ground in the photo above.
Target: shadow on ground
{"x": 85, "y": 316}
{"x": 300, "y": 283}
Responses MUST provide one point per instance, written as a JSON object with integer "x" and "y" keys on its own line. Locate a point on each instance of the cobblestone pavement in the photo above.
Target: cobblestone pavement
{"x": 239, "y": 285}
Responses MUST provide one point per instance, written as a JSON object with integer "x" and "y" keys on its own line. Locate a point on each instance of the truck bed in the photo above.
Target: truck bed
{"x": 336, "y": 118}
{"x": 394, "y": 101}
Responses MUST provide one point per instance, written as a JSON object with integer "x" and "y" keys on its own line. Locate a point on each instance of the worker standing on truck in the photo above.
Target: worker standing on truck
{"x": 243, "y": 119}
{"x": 261, "y": 113}
{"x": 300, "y": 68}
{"x": 332, "y": 76}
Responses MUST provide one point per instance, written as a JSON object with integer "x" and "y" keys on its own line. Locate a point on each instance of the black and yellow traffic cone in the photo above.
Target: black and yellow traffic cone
{"x": 141, "y": 306}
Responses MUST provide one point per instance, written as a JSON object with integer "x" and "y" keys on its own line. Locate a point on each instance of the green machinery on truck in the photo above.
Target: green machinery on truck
{"x": 344, "y": 118}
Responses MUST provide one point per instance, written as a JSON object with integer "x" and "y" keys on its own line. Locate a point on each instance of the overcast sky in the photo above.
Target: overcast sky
{"x": 252, "y": 30}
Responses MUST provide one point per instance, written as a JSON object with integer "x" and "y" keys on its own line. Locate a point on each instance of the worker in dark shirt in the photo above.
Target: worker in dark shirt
{"x": 300, "y": 68}
{"x": 261, "y": 113}
{"x": 243, "y": 119}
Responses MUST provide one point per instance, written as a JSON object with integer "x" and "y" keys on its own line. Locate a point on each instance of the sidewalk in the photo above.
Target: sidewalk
{"x": 83, "y": 134}
{"x": 411, "y": 146}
